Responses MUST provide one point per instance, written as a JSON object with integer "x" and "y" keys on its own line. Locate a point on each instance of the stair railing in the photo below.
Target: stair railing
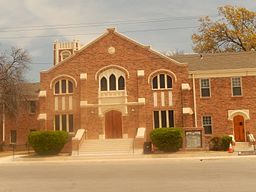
{"x": 78, "y": 140}
{"x": 251, "y": 140}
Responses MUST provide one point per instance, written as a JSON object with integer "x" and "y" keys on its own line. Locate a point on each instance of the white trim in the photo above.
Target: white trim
{"x": 223, "y": 73}
{"x": 142, "y": 100}
{"x": 185, "y": 87}
{"x": 42, "y": 93}
{"x": 187, "y": 110}
{"x": 170, "y": 98}
{"x": 155, "y": 98}
{"x": 42, "y": 116}
{"x": 70, "y": 103}
{"x": 140, "y": 73}
{"x": 56, "y": 103}
{"x": 63, "y": 103}
{"x": 83, "y": 76}
{"x": 61, "y": 76}
{"x": 65, "y": 51}
{"x": 165, "y": 71}
{"x": 99, "y": 73}
{"x": 200, "y": 84}
{"x": 232, "y": 92}
{"x": 242, "y": 112}
{"x": 162, "y": 99}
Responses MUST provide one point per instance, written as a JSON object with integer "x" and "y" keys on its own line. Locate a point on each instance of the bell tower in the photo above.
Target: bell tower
{"x": 62, "y": 50}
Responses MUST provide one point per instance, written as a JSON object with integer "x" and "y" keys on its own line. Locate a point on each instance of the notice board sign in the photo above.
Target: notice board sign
{"x": 193, "y": 139}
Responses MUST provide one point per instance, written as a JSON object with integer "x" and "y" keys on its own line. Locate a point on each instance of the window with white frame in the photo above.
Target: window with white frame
{"x": 64, "y": 122}
{"x": 207, "y": 124}
{"x": 162, "y": 81}
{"x": 112, "y": 83}
{"x": 236, "y": 86}
{"x": 205, "y": 87}
{"x": 63, "y": 86}
{"x": 163, "y": 118}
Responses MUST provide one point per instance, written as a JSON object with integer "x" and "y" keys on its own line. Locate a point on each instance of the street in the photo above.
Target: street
{"x": 193, "y": 175}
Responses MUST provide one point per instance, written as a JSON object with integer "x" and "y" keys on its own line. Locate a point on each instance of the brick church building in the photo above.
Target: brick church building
{"x": 114, "y": 86}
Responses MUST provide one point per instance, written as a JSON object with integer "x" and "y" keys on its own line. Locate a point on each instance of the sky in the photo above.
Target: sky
{"x": 165, "y": 25}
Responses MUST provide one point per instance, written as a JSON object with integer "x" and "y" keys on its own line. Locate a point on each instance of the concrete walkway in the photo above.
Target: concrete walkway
{"x": 200, "y": 155}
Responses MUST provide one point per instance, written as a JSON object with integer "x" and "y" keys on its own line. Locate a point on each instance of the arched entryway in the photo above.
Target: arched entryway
{"x": 113, "y": 124}
{"x": 239, "y": 132}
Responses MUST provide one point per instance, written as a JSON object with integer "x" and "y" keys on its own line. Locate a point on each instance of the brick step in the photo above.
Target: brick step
{"x": 243, "y": 146}
{"x": 106, "y": 146}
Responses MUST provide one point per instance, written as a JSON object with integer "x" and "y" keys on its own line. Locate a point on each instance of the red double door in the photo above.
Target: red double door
{"x": 113, "y": 124}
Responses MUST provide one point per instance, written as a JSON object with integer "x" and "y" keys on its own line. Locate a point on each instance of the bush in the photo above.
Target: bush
{"x": 167, "y": 139}
{"x": 226, "y": 140}
{"x": 47, "y": 142}
{"x": 220, "y": 143}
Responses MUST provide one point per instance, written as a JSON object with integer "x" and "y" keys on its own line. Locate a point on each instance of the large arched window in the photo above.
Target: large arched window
{"x": 103, "y": 84}
{"x": 162, "y": 81}
{"x": 63, "y": 86}
{"x": 121, "y": 83}
{"x": 112, "y": 82}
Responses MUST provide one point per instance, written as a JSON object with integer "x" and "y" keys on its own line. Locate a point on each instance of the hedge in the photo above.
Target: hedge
{"x": 167, "y": 139}
{"x": 48, "y": 142}
{"x": 220, "y": 143}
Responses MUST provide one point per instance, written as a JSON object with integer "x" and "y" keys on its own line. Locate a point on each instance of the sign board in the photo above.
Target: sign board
{"x": 193, "y": 139}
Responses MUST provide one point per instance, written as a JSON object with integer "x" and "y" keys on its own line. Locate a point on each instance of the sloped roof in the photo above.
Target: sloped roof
{"x": 218, "y": 61}
{"x": 30, "y": 90}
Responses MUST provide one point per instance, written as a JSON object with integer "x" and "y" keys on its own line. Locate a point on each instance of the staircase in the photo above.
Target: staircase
{"x": 105, "y": 147}
{"x": 243, "y": 146}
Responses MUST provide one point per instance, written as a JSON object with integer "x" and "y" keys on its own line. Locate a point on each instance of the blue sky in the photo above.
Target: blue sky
{"x": 166, "y": 25}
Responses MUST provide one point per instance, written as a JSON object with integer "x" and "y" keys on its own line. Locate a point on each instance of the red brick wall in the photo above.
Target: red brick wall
{"x": 128, "y": 55}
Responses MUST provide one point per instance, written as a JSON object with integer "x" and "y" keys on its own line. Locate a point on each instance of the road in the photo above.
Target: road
{"x": 188, "y": 175}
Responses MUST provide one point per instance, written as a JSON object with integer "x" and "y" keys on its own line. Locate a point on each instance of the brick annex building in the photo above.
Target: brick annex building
{"x": 113, "y": 86}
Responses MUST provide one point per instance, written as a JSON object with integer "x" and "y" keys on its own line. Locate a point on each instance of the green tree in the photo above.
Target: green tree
{"x": 235, "y": 31}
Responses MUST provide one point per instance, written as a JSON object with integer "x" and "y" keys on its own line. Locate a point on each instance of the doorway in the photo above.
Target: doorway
{"x": 239, "y": 128}
{"x": 113, "y": 124}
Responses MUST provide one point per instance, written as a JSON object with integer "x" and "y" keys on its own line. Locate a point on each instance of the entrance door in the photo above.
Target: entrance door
{"x": 113, "y": 124}
{"x": 239, "y": 128}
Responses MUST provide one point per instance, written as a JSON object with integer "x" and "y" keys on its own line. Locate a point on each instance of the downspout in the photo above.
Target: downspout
{"x": 194, "y": 99}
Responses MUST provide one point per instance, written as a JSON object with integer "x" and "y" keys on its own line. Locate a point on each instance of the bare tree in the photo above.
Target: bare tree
{"x": 13, "y": 64}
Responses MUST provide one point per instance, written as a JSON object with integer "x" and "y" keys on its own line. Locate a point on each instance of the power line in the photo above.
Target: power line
{"x": 97, "y": 33}
{"x": 79, "y": 25}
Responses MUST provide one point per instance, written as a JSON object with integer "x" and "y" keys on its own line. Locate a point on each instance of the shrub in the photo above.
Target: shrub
{"x": 167, "y": 139}
{"x": 226, "y": 140}
{"x": 220, "y": 143}
{"x": 47, "y": 142}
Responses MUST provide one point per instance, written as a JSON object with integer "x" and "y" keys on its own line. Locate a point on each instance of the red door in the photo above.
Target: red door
{"x": 113, "y": 124}
{"x": 239, "y": 128}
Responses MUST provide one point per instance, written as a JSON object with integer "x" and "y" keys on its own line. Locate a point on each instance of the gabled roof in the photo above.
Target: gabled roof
{"x": 112, "y": 30}
{"x": 218, "y": 61}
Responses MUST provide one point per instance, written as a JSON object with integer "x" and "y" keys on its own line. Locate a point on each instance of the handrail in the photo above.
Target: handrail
{"x": 79, "y": 138}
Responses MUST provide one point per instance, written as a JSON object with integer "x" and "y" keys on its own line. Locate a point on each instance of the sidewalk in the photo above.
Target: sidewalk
{"x": 200, "y": 155}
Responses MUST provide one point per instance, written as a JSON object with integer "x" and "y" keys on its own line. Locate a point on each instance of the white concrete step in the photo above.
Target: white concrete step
{"x": 105, "y": 147}
{"x": 243, "y": 146}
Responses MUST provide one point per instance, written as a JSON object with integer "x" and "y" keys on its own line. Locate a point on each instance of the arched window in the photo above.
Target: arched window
{"x": 162, "y": 81}
{"x": 112, "y": 82}
{"x": 65, "y": 54}
{"x": 103, "y": 84}
{"x": 121, "y": 83}
{"x": 63, "y": 86}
